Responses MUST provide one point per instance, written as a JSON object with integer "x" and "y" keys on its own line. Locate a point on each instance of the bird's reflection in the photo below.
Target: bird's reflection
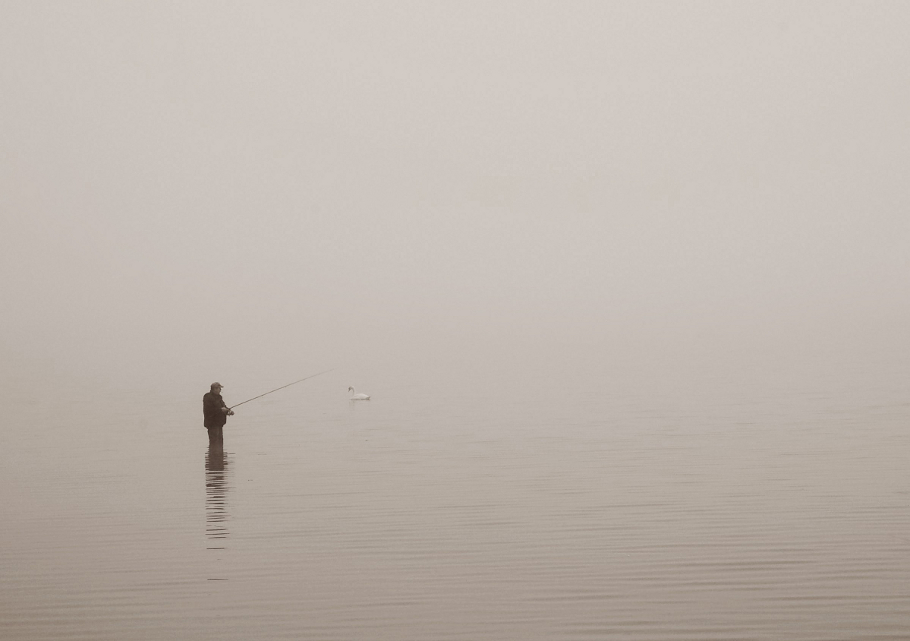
{"x": 217, "y": 476}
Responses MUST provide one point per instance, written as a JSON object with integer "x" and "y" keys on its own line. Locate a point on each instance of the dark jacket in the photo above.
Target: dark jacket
{"x": 211, "y": 409}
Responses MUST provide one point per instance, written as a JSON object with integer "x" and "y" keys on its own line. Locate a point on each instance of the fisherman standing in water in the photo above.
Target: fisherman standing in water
{"x": 215, "y": 412}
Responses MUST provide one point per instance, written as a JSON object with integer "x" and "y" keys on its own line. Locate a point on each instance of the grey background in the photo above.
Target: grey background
{"x": 192, "y": 191}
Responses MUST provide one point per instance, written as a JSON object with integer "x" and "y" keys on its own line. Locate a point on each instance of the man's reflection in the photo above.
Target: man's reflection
{"x": 216, "y": 486}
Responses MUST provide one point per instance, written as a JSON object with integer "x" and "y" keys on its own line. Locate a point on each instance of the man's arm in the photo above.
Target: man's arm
{"x": 227, "y": 410}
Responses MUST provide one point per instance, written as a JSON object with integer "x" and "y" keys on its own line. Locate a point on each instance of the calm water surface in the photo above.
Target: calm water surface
{"x": 520, "y": 500}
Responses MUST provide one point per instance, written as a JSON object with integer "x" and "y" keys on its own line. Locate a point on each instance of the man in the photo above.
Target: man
{"x": 215, "y": 411}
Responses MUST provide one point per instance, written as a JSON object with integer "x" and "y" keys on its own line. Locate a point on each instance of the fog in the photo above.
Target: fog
{"x": 192, "y": 191}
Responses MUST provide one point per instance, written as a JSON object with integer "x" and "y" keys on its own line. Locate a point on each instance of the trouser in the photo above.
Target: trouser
{"x": 215, "y": 433}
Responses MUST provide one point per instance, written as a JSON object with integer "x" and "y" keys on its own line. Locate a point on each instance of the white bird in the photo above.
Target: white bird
{"x": 357, "y": 397}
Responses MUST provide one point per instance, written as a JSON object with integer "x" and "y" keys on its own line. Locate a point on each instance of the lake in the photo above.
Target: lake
{"x": 491, "y": 496}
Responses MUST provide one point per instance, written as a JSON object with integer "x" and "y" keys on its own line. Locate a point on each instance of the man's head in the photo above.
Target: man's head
{"x": 216, "y": 388}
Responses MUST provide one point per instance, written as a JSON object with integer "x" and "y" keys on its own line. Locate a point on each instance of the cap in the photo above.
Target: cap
{"x": 216, "y": 384}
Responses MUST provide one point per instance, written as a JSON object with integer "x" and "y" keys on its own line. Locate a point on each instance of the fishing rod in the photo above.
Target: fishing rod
{"x": 278, "y": 388}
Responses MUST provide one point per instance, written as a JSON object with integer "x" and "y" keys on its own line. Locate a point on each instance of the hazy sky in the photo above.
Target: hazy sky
{"x": 180, "y": 180}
